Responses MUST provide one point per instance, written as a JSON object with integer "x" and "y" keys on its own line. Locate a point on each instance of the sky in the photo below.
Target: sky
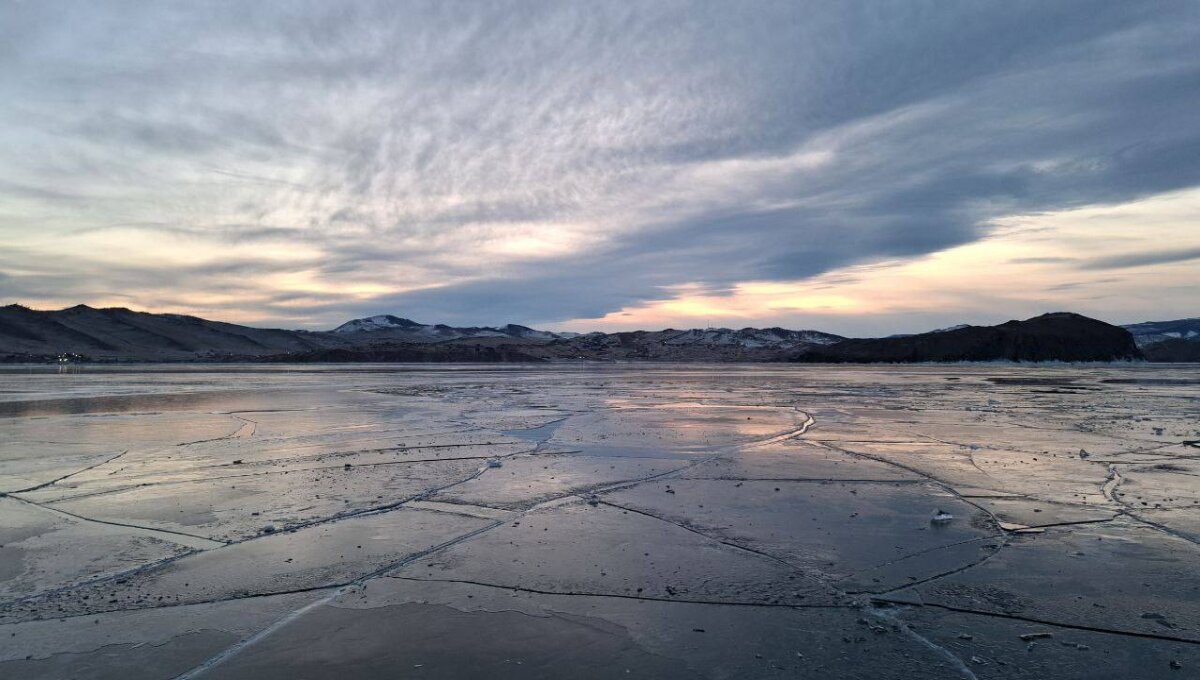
{"x": 863, "y": 168}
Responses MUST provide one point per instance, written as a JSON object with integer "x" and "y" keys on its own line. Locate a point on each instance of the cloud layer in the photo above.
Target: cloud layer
{"x": 467, "y": 162}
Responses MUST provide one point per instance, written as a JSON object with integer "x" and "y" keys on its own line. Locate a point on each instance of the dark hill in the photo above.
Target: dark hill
{"x": 1173, "y": 350}
{"x": 119, "y": 333}
{"x": 1060, "y": 336}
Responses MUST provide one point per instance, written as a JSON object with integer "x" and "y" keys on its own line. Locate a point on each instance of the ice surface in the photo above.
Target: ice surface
{"x": 664, "y": 521}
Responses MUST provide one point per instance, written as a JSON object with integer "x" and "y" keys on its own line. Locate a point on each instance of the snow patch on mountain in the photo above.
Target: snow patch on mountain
{"x": 398, "y": 328}
{"x": 751, "y": 338}
{"x": 377, "y": 323}
{"x": 1151, "y": 332}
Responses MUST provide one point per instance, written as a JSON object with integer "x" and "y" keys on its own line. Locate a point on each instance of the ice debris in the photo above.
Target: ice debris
{"x": 1030, "y": 637}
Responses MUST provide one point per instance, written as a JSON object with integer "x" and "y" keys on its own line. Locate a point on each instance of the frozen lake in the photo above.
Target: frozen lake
{"x": 600, "y": 521}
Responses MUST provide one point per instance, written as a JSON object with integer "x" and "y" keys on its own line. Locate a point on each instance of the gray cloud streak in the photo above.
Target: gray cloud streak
{"x": 1142, "y": 259}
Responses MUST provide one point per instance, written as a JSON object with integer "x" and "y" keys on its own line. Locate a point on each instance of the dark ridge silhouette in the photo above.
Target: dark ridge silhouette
{"x": 1174, "y": 350}
{"x": 1060, "y": 336}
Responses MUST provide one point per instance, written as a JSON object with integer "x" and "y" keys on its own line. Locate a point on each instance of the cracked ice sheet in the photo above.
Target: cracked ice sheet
{"x": 796, "y": 459}
{"x": 578, "y": 548}
{"x": 40, "y": 550}
{"x": 993, "y": 649}
{"x": 693, "y": 414}
{"x": 239, "y": 507}
{"x": 1119, "y": 575}
{"x": 253, "y": 457}
{"x": 1034, "y": 513}
{"x": 152, "y": 643}
{"x": 322, "y": 556}
{"x": 1064, "y": 478}
{"x": 37, "y": 450}
{"x": 397, "y": 627}
{"x": 1184, "y": 523}
{"x": 517, "y": 421}
{"x": 858, "y": 536}
{"x": 525, "y": 481}
{"x": 19, "y": 470}
{"x": 1167, "y": 485}
{"x": 683, "y": 430}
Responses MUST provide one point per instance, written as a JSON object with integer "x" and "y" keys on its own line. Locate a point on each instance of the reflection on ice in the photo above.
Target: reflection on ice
{"x": 537, "y": 435}
{"x": 689, "y": 521}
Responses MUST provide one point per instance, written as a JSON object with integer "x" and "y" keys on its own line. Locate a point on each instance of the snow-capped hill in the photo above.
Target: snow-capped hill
{"x": 515, "y": 331}
{"x": 751, "y": 338}
{"x": 696, "y": 344}
{"x": 808, "y": 337}
{"x": 693, "y": 342}
{"x": 1150, "y": 332}
{"x": 388, "y": 327}
{"x": 443, "y": 332}
{"x": 377, "y": 323}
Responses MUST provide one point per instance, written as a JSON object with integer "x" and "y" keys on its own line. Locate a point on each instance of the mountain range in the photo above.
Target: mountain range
{"x": 118, "y": 334}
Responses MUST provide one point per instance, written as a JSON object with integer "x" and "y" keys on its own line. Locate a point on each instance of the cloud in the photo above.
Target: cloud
{"x": 1041, "y": 260}
{"x": 478, "y": 163}
{"x": 1027, "y": 265}
{"x": 1142, "y": 259}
